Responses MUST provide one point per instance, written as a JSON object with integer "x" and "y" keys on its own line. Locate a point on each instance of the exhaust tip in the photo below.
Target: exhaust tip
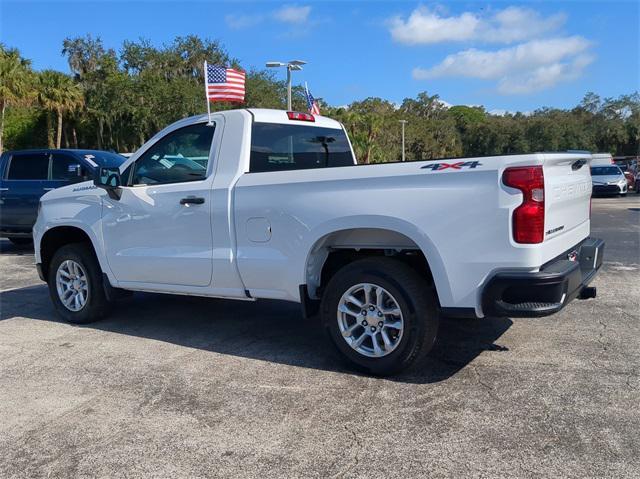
{"x": 587, "y": 292}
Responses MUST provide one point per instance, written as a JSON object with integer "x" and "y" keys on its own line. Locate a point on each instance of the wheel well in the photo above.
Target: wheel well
{"x": 339, "y": 258}
{"x": 338, "y": 249}
{"x": 56, "y": 238}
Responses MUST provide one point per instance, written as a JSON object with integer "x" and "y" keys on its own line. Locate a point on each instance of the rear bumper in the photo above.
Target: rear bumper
{"x": 527, "y": 295}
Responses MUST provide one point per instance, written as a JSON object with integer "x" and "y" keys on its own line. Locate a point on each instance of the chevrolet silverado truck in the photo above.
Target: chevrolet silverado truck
{"x": 256, "y": 203}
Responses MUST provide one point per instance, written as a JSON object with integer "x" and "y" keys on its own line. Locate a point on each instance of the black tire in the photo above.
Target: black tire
{"x": 97, "y": 305}
{"x": 415, "y": 297}
{"x": 21, "y": 241}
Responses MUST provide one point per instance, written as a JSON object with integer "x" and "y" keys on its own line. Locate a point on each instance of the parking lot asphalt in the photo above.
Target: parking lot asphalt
{"x": 189, "y": 387}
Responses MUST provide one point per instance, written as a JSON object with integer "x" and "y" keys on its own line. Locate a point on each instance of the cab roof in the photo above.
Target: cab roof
{"x": 264, "y": 115}
{"x": 267, "y": 115}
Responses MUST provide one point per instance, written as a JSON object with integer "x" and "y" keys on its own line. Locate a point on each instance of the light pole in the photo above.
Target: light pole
{"x": 403, "y": 122}
{"x": 293, "y": 65}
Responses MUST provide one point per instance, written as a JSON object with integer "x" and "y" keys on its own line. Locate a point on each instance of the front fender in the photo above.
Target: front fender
{"x": 82, "y": 212}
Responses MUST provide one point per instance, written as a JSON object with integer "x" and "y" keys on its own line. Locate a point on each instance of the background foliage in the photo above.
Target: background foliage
{"x": 118, "y": 100}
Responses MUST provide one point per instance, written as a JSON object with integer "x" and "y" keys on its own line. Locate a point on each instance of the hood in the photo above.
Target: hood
{"x": 75, "y": 190}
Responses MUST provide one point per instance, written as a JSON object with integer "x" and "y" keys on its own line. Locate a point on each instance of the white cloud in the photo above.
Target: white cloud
{"x": 237, "y": 22}
{"x": 292, "y": 14}
{"x": 515, "y": 24}
{"x": 428, "y": 26}
{"x": 530, "y": 66}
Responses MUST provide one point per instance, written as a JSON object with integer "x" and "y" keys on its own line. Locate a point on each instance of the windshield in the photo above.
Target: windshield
{"x": 102, "y": 158}
{"x": 605, "y": 170}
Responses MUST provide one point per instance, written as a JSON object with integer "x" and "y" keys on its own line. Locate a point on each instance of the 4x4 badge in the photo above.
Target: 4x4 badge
{"x": 454, "y": 166}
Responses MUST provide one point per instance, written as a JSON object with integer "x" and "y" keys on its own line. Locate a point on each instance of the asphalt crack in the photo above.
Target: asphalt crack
{"x": 604, "y": 348}
{"x": 356, "y": 443}
{"x": 488, "y": 387}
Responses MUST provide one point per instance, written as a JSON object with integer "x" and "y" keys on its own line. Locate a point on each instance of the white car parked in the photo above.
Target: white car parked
{"x": 281, "y": 210}
{"x": 608, "y": 180}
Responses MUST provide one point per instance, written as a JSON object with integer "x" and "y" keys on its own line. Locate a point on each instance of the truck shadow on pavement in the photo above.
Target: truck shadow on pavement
{"x": 264, "y": 330}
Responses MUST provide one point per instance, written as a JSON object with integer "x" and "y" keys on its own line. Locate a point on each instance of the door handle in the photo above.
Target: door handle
{"x": 4, "y": 189}
{"x": 191, "y": 200}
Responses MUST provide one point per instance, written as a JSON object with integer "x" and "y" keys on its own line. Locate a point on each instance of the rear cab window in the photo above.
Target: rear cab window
{"x": 278, "y": 147}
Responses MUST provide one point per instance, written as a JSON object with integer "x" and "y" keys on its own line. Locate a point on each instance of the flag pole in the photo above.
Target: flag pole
{"x": 206, "y": 94}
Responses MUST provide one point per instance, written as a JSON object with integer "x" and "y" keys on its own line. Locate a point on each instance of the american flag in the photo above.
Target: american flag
{"x": 312, "y": 104}
{"x": 224, "y": 84}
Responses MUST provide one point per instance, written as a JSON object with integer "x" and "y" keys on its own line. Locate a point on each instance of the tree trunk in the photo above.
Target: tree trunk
{"x": 50, "y": 143}
{"x": 65, "y": 136}
{"x": 59, "y": 135}
{"x": 100, "y": 132}
{"x": 75, "y": 137}
{"x": 2, "y": 107}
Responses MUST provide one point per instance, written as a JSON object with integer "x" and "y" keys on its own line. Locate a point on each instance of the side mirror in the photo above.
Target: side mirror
{"x": 108, "y": 179}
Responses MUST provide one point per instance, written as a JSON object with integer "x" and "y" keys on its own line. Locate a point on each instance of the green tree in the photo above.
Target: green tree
{"x": 57, "y": 94}
{"x": 15, "y": 82}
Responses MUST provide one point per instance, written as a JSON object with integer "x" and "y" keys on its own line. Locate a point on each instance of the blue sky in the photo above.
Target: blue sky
{"x": 504, "y": 55}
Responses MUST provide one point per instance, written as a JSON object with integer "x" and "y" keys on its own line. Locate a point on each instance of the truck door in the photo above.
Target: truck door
{"x": 159, "y": 230}
{"x": 23, "y": 185}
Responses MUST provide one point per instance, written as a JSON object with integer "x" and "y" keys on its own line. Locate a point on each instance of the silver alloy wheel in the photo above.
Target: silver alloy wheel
{"x": 370, "y": 320}
{"x": 72, "y": 285}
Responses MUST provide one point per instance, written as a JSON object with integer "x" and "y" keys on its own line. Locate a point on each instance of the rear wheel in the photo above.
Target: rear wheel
{"x": 75, "y": 284}
{"x": 380, "y": 314}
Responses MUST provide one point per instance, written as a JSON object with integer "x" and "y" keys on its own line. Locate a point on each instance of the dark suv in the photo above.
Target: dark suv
{"x": 28, "y": 174}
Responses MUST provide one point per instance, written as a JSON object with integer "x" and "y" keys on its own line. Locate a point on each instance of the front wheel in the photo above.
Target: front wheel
{"x": 380, "y": 314}
{"x": 75, "y": 284}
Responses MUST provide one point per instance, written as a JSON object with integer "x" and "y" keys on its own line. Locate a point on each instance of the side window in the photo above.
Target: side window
{"x": 64, "y": 167}
{"x": 182, "y": 155}
{"x": 277, "y": 147}
{"x": 34, "y": 166}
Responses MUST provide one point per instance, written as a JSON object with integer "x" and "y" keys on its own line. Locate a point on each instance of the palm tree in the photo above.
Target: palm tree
{"x": 15, "y": 82}
{"x": 57, "y": 93}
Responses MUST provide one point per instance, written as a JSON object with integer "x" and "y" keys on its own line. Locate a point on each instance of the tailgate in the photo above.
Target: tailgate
{"x": 567, "y": 184}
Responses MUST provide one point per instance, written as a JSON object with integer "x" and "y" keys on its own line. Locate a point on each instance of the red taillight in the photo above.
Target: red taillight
{"x": 296, "y": 115}
{"x": 528, "y": 218}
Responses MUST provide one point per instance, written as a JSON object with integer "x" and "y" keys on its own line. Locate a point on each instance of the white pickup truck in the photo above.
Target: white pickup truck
{"x": 271, "y": 204}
